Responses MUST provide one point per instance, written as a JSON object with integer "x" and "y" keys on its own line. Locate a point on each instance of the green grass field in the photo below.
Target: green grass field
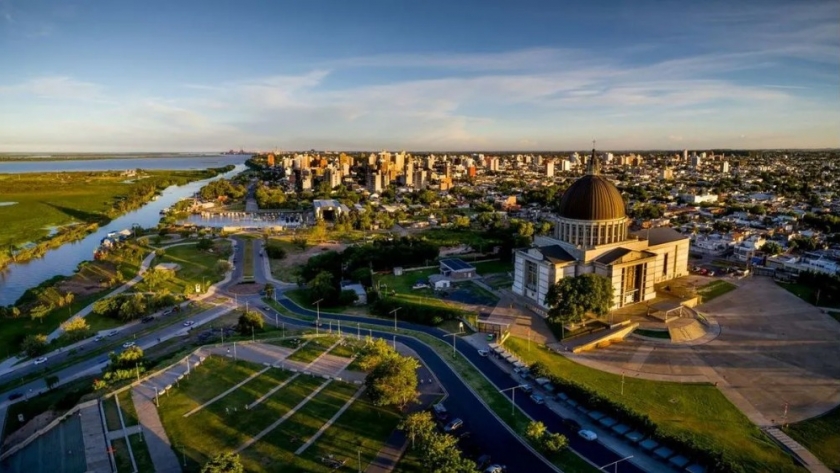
{"x": 493, "y": 267}
{"x": 226, "y": 424}
{"x": 314, "y": 348}
{"x": 112, "y": 417}
{"x": 197, "y": 267}
{"x": 121, "y": 455}
{"x": 141, "y": 454}
{"x": 820, "y": 435}
{"x": 129, "y": 412}
{"x": 715, "y": 289}
{"x": 248, "y": 260}
{"x": 693, "y": 411}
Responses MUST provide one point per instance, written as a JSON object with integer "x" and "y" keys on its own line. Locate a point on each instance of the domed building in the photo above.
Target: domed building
{"x": 590, "y": 236}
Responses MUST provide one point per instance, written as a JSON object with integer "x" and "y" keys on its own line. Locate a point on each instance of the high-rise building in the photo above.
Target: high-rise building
{"x": 695, "y": 160}
{"x": 549, "y": 168}
{"x": 565, "y": 165}
{"x": 685, "y": 155}
{"x": 471, "y": 171}
{"x": 667, "y": 174}
{"x": 724, "y": 168}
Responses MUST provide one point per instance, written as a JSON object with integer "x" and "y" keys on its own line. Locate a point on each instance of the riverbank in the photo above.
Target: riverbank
{"x": 87, "y": 157}
{"x": 51, "y": 209}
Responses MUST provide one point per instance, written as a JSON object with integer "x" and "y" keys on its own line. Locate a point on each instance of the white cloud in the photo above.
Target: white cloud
{"x": 54, "y": 87}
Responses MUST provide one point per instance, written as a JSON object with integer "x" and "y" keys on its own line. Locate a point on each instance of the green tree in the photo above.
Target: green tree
{"x": 39, "y": 312}
{"x": 204, "y": 244}
{"x": 322, "y": 287}
{"x": 570, "y": 299}
{"x": 318, "y": 232}
{"x": 250, "y": 321}
{"x": 223, "y": 266}
{"x": 127, "y": 358}
{"x": 375, "y": 352}
{"x": 393, "y": 382}
{"x": 132, "y": 307}
{"x": 76, "y": 328}
{"x": 535, "y": 431}
{"x": 418, "y": 426}
{"x": 51, "y": 381}
{"x": 269, "y": 290}
{"x": 554, "y": 442}
{"x": 227, "y": 462}
{"x": 461, "y": 221}
{"x": 34, "y": 345}
{"x": 771, "y": 248}
{"x": 155, "y": 277}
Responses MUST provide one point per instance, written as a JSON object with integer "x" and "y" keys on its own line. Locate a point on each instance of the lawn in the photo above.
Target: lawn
{"x": 112, "y": 416}
{"x": 127, "y": 407}
{"x": 141, "y": 454}
{"x": 820, "y": 435}
{"x": 226, "y": 424}
{"x": 807, "y": 294}
{"x": 314, "y": 348}
{"x": 121, "y": 455}
{"x": 197, "y": 267}
{"x": 248, "y": 262}
{"x": 347, "y": 348}
{"x": 493, "y": 267}
{"x": 715, "y": 289}
{"x": 455, "y": 237}
{"x": 834, "y": 315}
{"x": 698, "y": 412}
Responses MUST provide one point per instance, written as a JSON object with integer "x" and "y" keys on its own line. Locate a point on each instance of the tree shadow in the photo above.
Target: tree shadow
{"x": 81, "y": 215}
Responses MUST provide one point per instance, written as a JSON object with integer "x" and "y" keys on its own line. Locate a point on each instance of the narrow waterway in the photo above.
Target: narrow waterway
{"x": 17, "y": 278}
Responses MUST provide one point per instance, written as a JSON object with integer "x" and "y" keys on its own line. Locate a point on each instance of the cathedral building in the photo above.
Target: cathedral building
{"x": 590, "y": 236}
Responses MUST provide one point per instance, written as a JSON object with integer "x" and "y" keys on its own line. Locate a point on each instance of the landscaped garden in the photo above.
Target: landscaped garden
{"x": 715, "y": 289}
{"x": 228, "y": 424}
{"x": 820, "y": 435}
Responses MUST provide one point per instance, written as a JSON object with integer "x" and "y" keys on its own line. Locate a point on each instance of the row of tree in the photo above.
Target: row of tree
{"x": 439, "y": 451}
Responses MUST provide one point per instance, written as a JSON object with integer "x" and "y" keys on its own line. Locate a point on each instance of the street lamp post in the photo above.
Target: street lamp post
{"x": 395, "y": 317}
{"x": 318, "y": 314}
{"x": 512, "y": 397}
{"x": 615, "y": 464}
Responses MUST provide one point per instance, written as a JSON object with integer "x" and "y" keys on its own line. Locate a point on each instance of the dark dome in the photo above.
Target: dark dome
{"x": 592, "y": 197}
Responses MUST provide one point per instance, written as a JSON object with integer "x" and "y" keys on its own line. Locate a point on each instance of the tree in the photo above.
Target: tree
{"x": 132, "y": 307}
{"x": 249, "y": 321}
{"x": 418, "y": 426}
{"x": 318, "y": 232}
{"x": 227, "y": 462}
{"x": 34, "y": 345}
{"x": 322, "y": 287}
{"x": 772, "y": 248}
{"x": 393, "y": 382}
{"x": 204, "y": 244}
{"x": 461, "y": 221}
{"x": 269, "y": 290}
{"x": 155, "y": 277}
{"x": 570, "y": 299}
{"x": 535, "y": 431}
{"x": 127, "y": 358}
{"x": 223, "y": 266}
{"x": 40, "y": 311}
{"x": 374, "y": 353}
{"x": 275, "y": 251}
{"x": 554, "y": 442}
{"x": 76, "y": 328}
{"x": 51, "y": 381}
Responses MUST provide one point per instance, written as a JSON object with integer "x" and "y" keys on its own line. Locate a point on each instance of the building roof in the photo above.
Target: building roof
{"x": 592, "y": 197}
{"x": 623, "y": 255}
{"x": 556, "y": 254}
{"x": 456, "y": 264}
{"x": 435, "y": 278}
{"x": 660, "y": 235}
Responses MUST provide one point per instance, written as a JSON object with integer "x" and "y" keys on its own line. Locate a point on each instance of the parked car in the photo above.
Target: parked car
{"x": 98, "y": 338}
{"x": 538, "y": 398}
{"x": 14, "y": 396}
{"x": 527, "y": 388}
{"x": 440, "y": 412}
{"x": 128, "y": 344}
{"x": 147, "y": 319}
{"x": 189, "y": 323}
{"x": 41, "y": 360}
{"x": 571, "y": 424}
{"x": 482, "y": 461}
{"x": 453, "y": 425}
{"x": 496, "y": 469}
{"x": 483, "y": 352}
{"x": 588, "y": 435}
{"x": 112, "y": 333}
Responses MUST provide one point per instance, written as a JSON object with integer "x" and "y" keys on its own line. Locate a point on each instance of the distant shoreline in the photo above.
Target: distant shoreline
{"x": 5, "y": 157}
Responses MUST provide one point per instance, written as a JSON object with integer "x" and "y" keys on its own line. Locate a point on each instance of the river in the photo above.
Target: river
{"x": 17, "y": 278}
{"x": 169, "y": 163}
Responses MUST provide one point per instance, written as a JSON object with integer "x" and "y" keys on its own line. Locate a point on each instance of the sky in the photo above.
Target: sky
{"x": 206, "y": 75}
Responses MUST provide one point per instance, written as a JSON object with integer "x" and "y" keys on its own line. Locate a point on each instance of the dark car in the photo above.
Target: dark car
{"x": 147, "y": 319}
{"x": 572, "y": 424}
{"x": 14, "y": 396}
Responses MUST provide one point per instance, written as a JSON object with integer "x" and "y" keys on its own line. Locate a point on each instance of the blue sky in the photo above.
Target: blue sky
{"x": 468, "y": 75}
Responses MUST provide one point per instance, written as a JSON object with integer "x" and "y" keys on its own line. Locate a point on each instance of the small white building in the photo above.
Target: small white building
{"x": 438, "y": 282}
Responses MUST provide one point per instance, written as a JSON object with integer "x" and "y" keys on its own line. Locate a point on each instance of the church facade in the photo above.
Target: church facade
{"x": 590, "y": 236}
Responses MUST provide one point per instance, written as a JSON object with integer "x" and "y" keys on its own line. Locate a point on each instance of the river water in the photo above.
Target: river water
{"x": 169, "y": 163}
{"x": 17, "y": 278}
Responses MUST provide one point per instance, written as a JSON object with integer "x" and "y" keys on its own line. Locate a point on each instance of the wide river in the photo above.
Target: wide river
{"x": 173, "y": 162}
{"x": 17, "y": 278}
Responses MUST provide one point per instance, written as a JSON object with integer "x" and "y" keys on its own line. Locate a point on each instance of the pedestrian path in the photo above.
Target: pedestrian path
{"x": 93, "y": 438}
{"x": 279, "y": 421}
{"x": 163, "y": 458}
{"x": 811, "y": 462}
{"x": 124, "y": 433}
{"x": 234, "y": 388}
{"x": 329, "y": 422}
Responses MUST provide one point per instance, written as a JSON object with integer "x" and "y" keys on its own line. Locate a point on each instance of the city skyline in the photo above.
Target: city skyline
{"x": 97, "y": 77}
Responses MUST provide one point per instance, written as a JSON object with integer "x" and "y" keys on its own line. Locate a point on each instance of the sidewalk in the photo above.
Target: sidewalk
{"x": 93, "y": 436}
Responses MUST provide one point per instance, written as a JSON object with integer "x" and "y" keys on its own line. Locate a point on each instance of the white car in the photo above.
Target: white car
{"x": 112, "y": 333}
{"x": 538, "y": 398}
{"x": 189, "y": 323}
{"x": 128, "y": 344}
{"x": 483, "y": 352}
{"x": 98, "y": 338}
{"x": 588, "y": 435}
{"x": 43, "y": 359}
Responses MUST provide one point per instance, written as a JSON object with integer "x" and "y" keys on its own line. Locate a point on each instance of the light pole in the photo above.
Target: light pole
{"x": 512, "y": 397}
{"x": 317, "y": 314}
{"x": 395, "y": 317}
{"x": 615, "y": 463}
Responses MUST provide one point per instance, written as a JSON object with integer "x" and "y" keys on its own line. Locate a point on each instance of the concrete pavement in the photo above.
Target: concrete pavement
{"x": 93, "y": 436}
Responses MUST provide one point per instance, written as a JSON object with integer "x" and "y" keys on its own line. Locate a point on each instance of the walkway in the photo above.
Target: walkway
{"x": 234, "y": 388}
{"x": 812, "y": 463}
{"x": 93, "y": 437}
{"x": 163, "y": 458}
